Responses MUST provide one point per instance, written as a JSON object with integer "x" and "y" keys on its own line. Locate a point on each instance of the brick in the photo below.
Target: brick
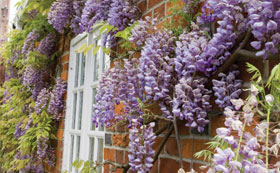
{"x": 61, "y": 124}
{"x": 59, "y": 133}
{"x": 59, "y": 153}
{"x": 148, "y": 14}
{"x": 182, "y": 129}
{"x": 58, "y": 164}
{"x": 153, "y": 3}
{"x": 126, "y": 157}
{"x": 154, "y": 168}
{"x": 159, "y": 12}
{"x": 65, "y": 67}
{"x": 216, "y": 122}
{"x": 106, "y": 168}
{"x": 65, "y": 58}
{"x": 171, "y": 146}
{"x": 109, "y": 154}
{"x": 120, "y": 140}
{"x": 157, "y": 144}
{"x": 143, "y": 6}
{"x": 119, "y": 156}
{"x": 59, "y": 144}
{"x": 64, "y": 75}
{"x": 166, "y": 165}
{"x": 190, "y": 147}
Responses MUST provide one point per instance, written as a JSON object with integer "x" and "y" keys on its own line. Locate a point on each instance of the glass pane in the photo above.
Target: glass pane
{"x": 77, "y": 69}
{"x": 93, "y": 102}
{"x": 83, "y": 70}
{"x": 74, "y": 111}
{"x": 91, "y": 149}
{"x": 78, "y": 147}
{"x": 71, "y": 152}
{"x": 80, "y": 110}
{"x": 100, "y": 153}
{"x": 96, "y": 66}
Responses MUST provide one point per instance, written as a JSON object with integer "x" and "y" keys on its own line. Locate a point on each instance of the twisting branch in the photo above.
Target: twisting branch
{"x": 178, "y": 141}
{"x": 163, "y": 142}
{"x": 232, "y": 58}
{"x": 250, "y": 54}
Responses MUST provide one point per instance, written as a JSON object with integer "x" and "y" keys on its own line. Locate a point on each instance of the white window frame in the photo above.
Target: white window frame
{"x": 85, "y": 133}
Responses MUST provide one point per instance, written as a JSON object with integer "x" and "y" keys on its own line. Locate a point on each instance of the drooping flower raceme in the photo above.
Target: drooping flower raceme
{"x": 192, "y": 101}
{"x": 188, "y": 51}
{"x": 78, "y": 6}
{"x": 118, "y": 86}
{"x": 140, "y": 147}
{"x": 34, "y": 80}
{"x": 94, "y": 11}
{"x": 227, "y": 88}
{"x": 48, "y": 44}
{"x": 156, "y": 68}
{"x": 60, "y": 14}
{"x": 264, "y": 19}
{"x": 42, "y": 100}
{"x": 122, "y": 13}
{"x": 56, "y": 101}
{"x": 29, "y": 43}
{"x": 229, "y": 14}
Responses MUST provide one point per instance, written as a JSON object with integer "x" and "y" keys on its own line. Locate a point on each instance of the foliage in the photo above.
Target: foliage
{"x": 26, "y": 134}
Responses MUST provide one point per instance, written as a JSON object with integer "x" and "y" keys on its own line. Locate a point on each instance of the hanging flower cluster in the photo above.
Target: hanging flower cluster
{"x": 227, "y": 88}
{"x": 140, "y": 147}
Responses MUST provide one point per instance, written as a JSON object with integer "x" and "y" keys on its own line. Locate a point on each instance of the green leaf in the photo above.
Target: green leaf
{"x": 81, "y": 48}
{"x": 88, "y": 48}
{"x": 274, "y": 75}
{"x": 79, "y": 164}
{"x": 74, "y": 164}
{"x": 95, "y": 50}
{"x": 106, "y": 50}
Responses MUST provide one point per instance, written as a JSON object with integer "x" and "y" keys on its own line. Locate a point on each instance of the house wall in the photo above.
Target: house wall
{"x": 117, "y": 139}
{"x": 4, "y": 18}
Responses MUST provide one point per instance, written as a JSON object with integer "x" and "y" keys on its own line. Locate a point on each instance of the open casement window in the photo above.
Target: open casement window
{"x": 82, "y": 140}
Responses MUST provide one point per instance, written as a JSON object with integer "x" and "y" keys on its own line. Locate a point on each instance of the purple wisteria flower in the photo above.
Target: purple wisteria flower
{"x": 29, "y": 43}
{"x": 42, "y": 100}
{"x": 56, "y": 101}
{"x": 60, "y": 14}
{"x": 140, "y": 147}
{"x": 48, "y": 44}
{"x": 227, "y": 88}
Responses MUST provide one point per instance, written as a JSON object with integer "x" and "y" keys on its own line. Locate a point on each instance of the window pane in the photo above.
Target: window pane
{"x": 74, "y": 111}
{"x": 91, "y": 149}
{"x": 83, "y": 70}
{"x": 100, "y": 154}
{"x": 96, "y": 67}
{"x": 80, "y": 110}
{"x": 77, "y": 69}
{"x": 71, "y": 152}
{"x": 78, "y": 147}
{"x": 93, "y": 102}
